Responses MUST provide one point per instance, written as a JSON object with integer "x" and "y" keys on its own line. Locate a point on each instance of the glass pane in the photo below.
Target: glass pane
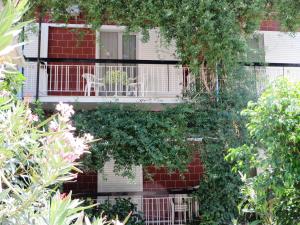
{"x": 129, "y": 47}
{"x": 129, "y": 52}
{"x": 257, "y": 52}
{"x": 109, "y": 50}
{"x": 109, "y": 45}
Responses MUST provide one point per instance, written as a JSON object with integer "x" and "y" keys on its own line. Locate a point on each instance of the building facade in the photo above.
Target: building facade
{"x": 89, "y": 67}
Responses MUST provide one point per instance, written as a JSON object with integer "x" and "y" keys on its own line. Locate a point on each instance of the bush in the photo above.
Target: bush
{"x": 35, "y": 157}
{"x": 273, "y": 126}
{"x": 120, "y": 210}
{"x": 221, "y": 126}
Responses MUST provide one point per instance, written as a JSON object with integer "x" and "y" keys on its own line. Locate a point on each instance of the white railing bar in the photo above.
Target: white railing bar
{"x": 56, "y": 78}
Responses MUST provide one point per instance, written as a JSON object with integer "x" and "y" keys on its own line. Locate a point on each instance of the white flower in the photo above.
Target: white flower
{"x": 88, "y": 137}
{"x": 117, "y": 222}
{"x": 4, "y": 94}
{"x": 65, "y": 110}
{"x": 70, "y": 127}
{"x": 79, "y": 146}
{"x": 2, "y": 72}
{"x": 28, "y": 112}
{"x": 53, "y": 126}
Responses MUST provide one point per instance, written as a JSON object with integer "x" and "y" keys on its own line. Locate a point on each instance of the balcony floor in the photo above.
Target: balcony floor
{"x": 112, "y": 99}
{"x": 92, "y": 102}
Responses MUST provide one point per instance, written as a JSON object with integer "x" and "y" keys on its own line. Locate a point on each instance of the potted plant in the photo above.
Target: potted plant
{"x": 116, "y": 80}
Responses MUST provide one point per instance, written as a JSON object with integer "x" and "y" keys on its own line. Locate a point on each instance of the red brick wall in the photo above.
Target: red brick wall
{"x": 162, "y": 180}
{"x": 68, "y": 43}
{"x": 85, "y": 183}
{"x": 270, "y": 25}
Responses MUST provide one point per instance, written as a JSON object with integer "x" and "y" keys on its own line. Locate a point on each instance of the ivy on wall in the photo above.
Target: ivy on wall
{"x": 133, "y": 137}
{"x": 136, "y": 137}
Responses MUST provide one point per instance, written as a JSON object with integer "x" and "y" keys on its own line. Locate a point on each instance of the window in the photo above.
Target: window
{"x": 116, "y": 45}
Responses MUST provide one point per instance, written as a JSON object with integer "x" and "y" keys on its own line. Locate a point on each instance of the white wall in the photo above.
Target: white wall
{"x": 31, "y": 50}
{"x": 156, "y": 48}
{"x": 161, "y": 81}
{"x": 282, "y": 47}
{"x": 108, "y": 181}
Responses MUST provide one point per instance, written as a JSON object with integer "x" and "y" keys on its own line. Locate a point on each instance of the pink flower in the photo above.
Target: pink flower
{"x": 4, "y": 93}
{"x": 75, "y": 175}
{"x": 33, "y": 118}
{"x": 63, "y": 195}
{"x": 70, "y": 157}
{"x": 79, "y": 146}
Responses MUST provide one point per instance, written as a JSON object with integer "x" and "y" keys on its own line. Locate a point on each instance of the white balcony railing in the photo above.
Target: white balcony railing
{"x": 174, "y": 209}
{"x": 132, "y": 81}
{"x": 107, "y": 80}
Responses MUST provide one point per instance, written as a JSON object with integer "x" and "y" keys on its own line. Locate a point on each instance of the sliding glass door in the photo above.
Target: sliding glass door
{"x": 118, "y": 78}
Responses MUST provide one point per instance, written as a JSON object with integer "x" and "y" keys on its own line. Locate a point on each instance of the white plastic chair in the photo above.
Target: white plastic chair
{"x": 181, "y": 207}
{"x": 133, "y": 87}
{"x": 93, "y": 82}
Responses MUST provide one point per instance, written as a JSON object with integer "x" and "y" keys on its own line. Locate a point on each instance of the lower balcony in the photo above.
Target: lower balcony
{"x": 179, "y": 209}
{"x": 96, "y": 83}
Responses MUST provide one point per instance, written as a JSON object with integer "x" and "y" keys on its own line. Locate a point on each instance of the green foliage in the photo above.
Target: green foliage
{"x": 221, "y": 126}
{"x": 33, "y": 161}
{"x": 136, "y": 137}
{"x": 273, "y": 126}
{"x": 203, "y": 30}
{"x": 119, "y": 210}
{"x": 11, "y": 79}
{"x": 141, "y": 137}
{"x": 37, "y": 109}
{"x": 116, "y": 77}
{"x": 11, "y": 26}
{"x": 63, "y": 210}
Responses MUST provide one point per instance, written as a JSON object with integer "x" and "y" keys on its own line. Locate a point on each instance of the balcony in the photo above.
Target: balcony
{"x": 107, "y": 81}
{"x": 166, "y": 209}
{"x": 128, "y": 81}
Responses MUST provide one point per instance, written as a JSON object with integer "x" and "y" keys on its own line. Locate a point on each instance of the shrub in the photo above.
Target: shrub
{"x": 221, "y": 126}
{"x": 121, "y": 208}
{"x": 34, "y": 161}
{"x": 273, "y": 126}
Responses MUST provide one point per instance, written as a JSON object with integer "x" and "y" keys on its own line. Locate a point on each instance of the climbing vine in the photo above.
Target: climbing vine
{"x": 221, "y": 126}
{"x": 133, "y": 137}
{"x": 136, "y": 137}
{"x": 206, "y": 33}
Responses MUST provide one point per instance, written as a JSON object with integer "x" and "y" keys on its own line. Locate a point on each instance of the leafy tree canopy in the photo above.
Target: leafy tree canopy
{"x": 273, "y": 127}
{"x": 203, "y": 30}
